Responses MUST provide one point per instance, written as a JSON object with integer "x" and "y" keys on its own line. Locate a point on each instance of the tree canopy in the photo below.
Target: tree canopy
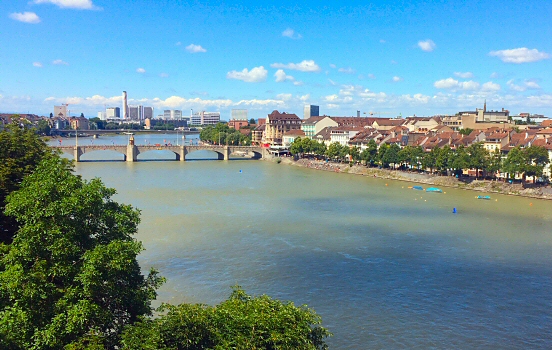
{"x": 223, "y": 134}
{"x": 241, "y": 322}
{"x": 70, "y": 276}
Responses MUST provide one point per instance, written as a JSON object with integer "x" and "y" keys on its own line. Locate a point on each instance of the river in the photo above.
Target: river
{"x": 385, "y": 266}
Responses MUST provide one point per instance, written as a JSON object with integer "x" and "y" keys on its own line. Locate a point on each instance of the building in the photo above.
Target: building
{"x": 279, "y": 123}
{"x": 102, "y": 115}
{"x": 148, "y": 112}
{"x": 205, "y": 118}
{"x": 311, "y": 111}
{"x": 113, "y": 113}
{"x": 136, "y": 112}
{"x": 172, "y": 114}
{"x": 239, "y": 114}
{"x": 61, "y": 111}
{"x": 238, "y": 123}
{"x": 79, "y": 123}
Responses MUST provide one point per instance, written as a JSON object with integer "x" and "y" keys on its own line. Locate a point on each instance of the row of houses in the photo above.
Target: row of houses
{"x": 279, "y": 130}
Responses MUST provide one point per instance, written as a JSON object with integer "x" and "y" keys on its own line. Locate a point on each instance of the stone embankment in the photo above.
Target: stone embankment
{"x": 446, "y": 181}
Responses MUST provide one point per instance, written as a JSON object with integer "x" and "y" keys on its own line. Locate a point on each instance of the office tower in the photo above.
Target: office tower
{"x": 311, "y": 111}
{"x": 113, "y": 112}
{"x": 148, "y": 112}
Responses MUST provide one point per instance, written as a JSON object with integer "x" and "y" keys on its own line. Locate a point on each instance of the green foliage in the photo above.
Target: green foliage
{"x": 241, "y": 322}
{"x": 334, "y": 151}
{"x": 465, "y": 131}
{"x": 391, "y": 155}
{"x": 536, "y": 158}
{"x": 70, "y": 277}
{"x": 370, "y": 153}
{"x": 478, "y": 157}
{"x": 42, "y": 127}
{"x": 252, "y": 121}
{"x": 223, "y": 134}
{"x": 20, "y": 152}
{"x": 514, "y": 163}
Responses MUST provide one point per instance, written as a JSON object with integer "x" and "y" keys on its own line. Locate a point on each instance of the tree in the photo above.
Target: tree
{"x": 465, "y": 131}
{"x": 514, "y": 163}
{"x": 370, "y": 153}
{"x": 82, "y": 115}
{"x": 241, "y": 322}
{"x": 460, "y": 160}
{"x": 536, "y": 158}
{"x": 20, "y": 152}
{"x": 42, "y": 127}
{"x": 478, "y": 157}
{"x": 70, "y": 277}
{"x": 333, "y": 151}
{"x": 495, "y": 162}
{"x": 391, "y": 155}
{"x": 442, "y": 161}
{"x": 51, "y": 115}
{"x": 354, "y": 152}
{"x": 429, "y": 159}
{"x": 252, "y": 121}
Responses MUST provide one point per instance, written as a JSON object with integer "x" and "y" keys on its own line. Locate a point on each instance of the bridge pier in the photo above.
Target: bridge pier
{"x": 132, "y": 153}
{"x": 226, "y": 153}
{"x": 77, "y": 153}
{"x": 181, "y": 156}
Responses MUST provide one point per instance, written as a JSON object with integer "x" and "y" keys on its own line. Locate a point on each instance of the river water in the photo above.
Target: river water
{"x": 385, "y": 266}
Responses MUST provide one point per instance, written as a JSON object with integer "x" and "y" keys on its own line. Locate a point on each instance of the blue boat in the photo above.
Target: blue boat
{"x": 419, "y": 188}
{"x": 484, "y": 197}
{"x": 434, "y": 189}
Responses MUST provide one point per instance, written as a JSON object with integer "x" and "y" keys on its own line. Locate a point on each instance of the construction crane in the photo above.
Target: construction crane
{"x": 378, "y": 113}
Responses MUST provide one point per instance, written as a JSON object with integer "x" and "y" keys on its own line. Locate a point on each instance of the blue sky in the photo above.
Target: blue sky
{"x": 391, "y": 57}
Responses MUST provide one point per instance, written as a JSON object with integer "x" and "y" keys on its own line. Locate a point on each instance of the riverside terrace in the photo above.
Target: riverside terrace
{"x": 130, "y": 152}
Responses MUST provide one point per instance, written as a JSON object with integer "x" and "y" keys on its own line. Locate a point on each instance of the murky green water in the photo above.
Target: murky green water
{"x": 385, "y": 266}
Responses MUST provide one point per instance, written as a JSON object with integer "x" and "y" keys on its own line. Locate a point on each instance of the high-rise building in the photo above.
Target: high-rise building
{"x": 113, "y": 112}
{"x": 172, "y": 114}
{"x": 136, "y": 112}
{"x": 311, "y": 111}
{"x": 148, "y": 112}
{"x": 61, "y": 111}
{"x": 102, "y": 115}
{"x": 125, "y": 105}
{"x": 239, "y": 114}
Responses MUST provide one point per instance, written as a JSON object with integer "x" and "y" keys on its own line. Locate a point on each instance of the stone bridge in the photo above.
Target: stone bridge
{"x": 131, "y": 152}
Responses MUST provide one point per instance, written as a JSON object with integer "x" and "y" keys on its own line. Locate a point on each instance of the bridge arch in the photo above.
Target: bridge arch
{"x": 162, "y": 154}
{"x": 219, "y": 155}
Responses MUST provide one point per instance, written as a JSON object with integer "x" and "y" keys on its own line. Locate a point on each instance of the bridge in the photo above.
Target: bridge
{"x": 130, "y": 152}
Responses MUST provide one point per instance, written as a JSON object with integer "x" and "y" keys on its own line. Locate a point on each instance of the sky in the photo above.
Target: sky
{"x": 382, "y": 58}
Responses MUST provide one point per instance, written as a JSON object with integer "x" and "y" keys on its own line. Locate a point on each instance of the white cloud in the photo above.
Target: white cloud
{"x": 304, "y": 66}
{"x": 140, "y": 70}
{"x": 463, "y": 75}
{"x": 397, "y": 79}
{"x": 256, "y": 75}
{"x": 490, "y": 86}
{"x": 454, "y": 84}
{"x": 495, "y": 75}
{"x": 347, "y": 70}
{"x": 195, "y": 48}
{"x": 520, "y": 55}
{"x": 284, "y": 97}
{"x": 281, "y": 76}
{"x": 37, "y": 64}
{"x": 333, "y": 66}
{"x": 331, "y": 98}
{"x": 305, "y": 97}
{"x": 532, "y": 85}
{"x": 259, "y": 103}
{"x": 25, "y": 17}
{"x": 298, "y": 83}
{"x": 427, "y": 45}
{"x": 60, "y": 62}
{"x": 73, "y": 4}
{"x": 527, "y": 85}
{"x": 290, "y": 33}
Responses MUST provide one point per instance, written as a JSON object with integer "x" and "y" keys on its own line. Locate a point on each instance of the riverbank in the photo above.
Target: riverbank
{"x": 435, "y": 180}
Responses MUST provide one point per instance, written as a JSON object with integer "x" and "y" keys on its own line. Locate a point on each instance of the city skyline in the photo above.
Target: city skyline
{"x": 396, "y": 57}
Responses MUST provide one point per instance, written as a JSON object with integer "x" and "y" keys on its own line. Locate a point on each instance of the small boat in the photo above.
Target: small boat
{"x": 419, "y": 188}
{"x": 434, "y": 189}
{"x": 483, "y": 197}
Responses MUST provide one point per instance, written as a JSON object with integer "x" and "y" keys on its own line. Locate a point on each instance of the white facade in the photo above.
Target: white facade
{"x": 102, "y": 115}
{"x": 113, "y": 113}
{"x": 125, "y": 105}
{"x": 172, "y": 114}
{"x": 239, "y": 114}
{"x": 205, "y": 118}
